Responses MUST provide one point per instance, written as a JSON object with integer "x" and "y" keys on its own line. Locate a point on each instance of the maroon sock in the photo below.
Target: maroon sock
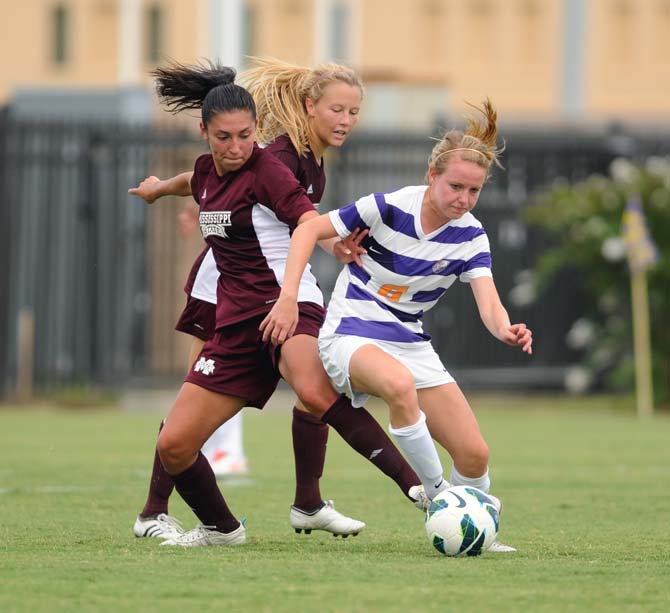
{"x": 197, "y": 486}
{"x": 362, "y": 432}
{"x": 310, "y": 436}
{"x": 160, "y": 488}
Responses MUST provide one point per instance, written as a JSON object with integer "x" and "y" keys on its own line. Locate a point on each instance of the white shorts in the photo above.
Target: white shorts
{"x": 420, "y": 358}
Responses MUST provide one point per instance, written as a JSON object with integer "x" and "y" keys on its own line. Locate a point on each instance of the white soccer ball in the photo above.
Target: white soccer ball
{"x": 462, "y": 521}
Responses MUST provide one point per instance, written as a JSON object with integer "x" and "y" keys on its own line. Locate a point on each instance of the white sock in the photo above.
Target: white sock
{"x": 226, "y": 438}
{"x": 482, "y": 483}
{"x": 417, "y": 445}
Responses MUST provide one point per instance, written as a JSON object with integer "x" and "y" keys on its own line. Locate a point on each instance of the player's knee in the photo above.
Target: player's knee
{"x": 171, "y": 451}
{"x": 476, "y": 461}
{"x": 316, "y": 397}
{"x": 401, "y": 389}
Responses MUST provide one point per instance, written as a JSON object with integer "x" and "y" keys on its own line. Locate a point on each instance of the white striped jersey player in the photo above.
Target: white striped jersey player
{"x": 404, "y": 273}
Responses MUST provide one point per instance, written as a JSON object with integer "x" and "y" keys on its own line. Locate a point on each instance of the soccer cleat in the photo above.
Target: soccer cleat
{"x": 161, "y": 526}
{"x": 325, "y": 518}
{"x": 497, "y": 547}
{"x": 497, "y": 503}
{"x": 208, "y": 536}
{"x": 419, "y": 497}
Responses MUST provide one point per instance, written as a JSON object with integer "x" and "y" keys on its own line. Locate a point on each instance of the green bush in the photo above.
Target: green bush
{"x": 584, "y": 226}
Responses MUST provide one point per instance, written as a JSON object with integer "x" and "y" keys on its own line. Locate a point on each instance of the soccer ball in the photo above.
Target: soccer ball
{"x": 462, "y": 520}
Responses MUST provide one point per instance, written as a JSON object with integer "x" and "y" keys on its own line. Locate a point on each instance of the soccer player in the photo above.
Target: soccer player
{"x": 299, "y": 109}
{"x": 420, "y": 240}
{"x": 249, "y": 203}
{"x": 224, "y": 450}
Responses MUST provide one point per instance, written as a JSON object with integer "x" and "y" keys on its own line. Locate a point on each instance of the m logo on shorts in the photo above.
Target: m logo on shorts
{"x": 206, "y": 367}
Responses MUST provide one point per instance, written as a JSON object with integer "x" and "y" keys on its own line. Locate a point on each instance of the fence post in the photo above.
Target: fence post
{"x": 25, "y": 347}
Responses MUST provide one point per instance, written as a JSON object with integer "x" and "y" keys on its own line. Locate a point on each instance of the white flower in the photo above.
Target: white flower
{"x": 622, "y": 170}
{"x": 581, "y": 334}
{"x": 524, "y": 292}
{"x": 525, "y": 275}
{"x": 522, "y": 295}
{"x": 613, "y": 249}
{"x": 658, "y": 165}
{"x": 578, "y": 380}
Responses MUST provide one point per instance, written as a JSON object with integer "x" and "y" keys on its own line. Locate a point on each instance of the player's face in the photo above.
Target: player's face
{"x": 455, "y": 192}
{"x": 230, "y": 136}
{"x": 335, "y": 114}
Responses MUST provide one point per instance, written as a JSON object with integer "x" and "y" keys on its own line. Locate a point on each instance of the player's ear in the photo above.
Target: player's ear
{"x": 203, "y": 131}
{"x": 310, "y": 107}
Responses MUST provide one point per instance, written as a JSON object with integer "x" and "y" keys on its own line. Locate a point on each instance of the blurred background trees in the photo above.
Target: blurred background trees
{"x": 584, "y": 223}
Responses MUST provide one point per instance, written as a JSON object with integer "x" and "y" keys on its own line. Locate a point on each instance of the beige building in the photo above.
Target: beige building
{"x": 540, "y": 60}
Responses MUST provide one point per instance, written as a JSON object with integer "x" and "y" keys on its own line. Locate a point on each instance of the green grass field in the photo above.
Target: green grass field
{"x": 586, "y": 487}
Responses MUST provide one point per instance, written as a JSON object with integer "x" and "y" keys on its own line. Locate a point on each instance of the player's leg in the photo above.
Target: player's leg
{"x": 310, "y": 437}
{"x": 453, "y": 425}
{"x": 154, "y": 519}
{"x": 196, "y": 413}
{"x": 373, "y": 371}
{"x": 302, "y": 368}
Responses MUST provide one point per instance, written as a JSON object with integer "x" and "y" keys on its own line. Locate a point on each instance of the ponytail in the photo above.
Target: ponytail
{"x": 210, "y": 87}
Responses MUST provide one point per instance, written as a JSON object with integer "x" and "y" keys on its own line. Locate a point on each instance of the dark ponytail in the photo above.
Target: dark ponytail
{"x": 209, "y": 87}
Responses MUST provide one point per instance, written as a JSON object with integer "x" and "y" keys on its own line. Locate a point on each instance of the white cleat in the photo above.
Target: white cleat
{"x": 225, "y": 466}
{"x": 161, "y": 526}
{"x": 418, "y": 495}
{"x": 497, "y": 503}
{"x": 325, "y": 518}
{"x": 208, "y": 536}
{"x": 497, "y": 547}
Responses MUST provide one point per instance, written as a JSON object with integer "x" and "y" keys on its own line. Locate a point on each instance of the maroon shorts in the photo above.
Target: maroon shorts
{"x": 197, "y": 319}
{"x": 236, "y": 362}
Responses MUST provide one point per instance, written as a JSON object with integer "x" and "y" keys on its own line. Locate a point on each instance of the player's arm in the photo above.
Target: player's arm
{"x": 153, "y": 188}
{"x": 495, "y": 316}
{"x": 283, "y": 318}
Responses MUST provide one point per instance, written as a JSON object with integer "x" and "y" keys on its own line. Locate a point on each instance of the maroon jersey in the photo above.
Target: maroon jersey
{"x": 247, "y": 217}
{"x": 305, "y": 168}
{"x": 310, "y": 175}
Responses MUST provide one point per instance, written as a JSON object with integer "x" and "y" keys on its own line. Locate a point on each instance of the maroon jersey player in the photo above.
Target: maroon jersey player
{"x": 325, "y": 93}
{"x": 250, "y": 203}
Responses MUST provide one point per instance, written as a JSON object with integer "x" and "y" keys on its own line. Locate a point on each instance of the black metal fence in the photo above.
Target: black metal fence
{"x": 73, "y": 247}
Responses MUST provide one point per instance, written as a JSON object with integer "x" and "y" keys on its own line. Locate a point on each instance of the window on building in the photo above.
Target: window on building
{"x": 248, "y": 42}
{"x": 60, "y": 50}
{"x": 155, "y": 26}
{"x": 339, "y": 22}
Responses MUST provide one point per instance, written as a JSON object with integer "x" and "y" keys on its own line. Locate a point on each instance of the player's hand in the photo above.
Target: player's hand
{"x": 147, "y": 190}
{"x": 280, "y": 322}
{"x": 518, "y": 335}
{"x": 349, "y": 249}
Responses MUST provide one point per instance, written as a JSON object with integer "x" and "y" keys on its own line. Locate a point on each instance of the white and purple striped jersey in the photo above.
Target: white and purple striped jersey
{"x": 405, "y": 270}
